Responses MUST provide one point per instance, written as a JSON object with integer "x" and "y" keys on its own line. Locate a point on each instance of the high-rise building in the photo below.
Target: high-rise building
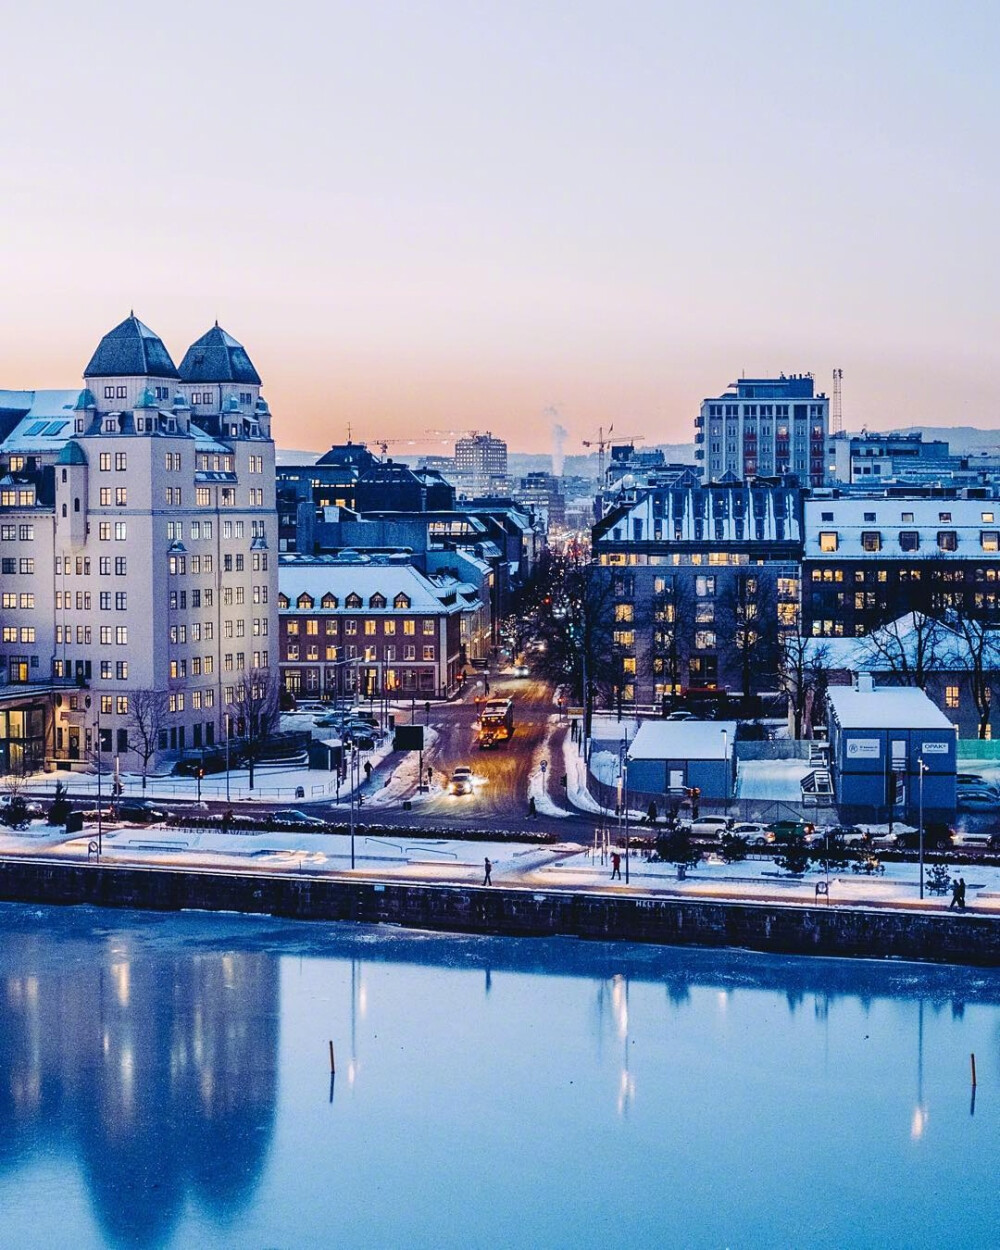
{"x": 139, "y": 540}
{"x": 481, "y": 465}
{"x": 765, "y": 427}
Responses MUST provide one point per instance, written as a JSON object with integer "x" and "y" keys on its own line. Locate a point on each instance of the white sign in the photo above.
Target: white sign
{"x": 863, "y": 748}
{"x": 934, "y": 748}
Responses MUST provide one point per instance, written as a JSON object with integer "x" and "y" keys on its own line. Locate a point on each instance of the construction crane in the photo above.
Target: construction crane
{"x": 383, "y": 444}
{"x": 603, "y": 441}
{"x": 458, "y": 433}
{"x": 836, "y": 407}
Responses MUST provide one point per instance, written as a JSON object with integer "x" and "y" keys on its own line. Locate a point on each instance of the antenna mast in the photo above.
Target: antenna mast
{"x": 837, "y": 406}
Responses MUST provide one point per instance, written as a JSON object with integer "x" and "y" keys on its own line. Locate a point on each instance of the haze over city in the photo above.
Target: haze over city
{"x": 452, "y": 216}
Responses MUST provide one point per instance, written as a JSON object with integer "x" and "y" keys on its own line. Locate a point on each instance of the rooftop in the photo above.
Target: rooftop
{"x": 886, "y": 707}
{"x": 683, "y": 740}
{"x": 131, "y": 349}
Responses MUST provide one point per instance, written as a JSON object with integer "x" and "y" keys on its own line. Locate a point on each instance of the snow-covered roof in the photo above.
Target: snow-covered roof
{"x": 886, "y": 707}
{"x": 971, "y": 527}
{"x": 366, "y": 576}
{"x": 46, "y": 421}
{"x": 736, "y": 513}
{"x": 683, "y": 740}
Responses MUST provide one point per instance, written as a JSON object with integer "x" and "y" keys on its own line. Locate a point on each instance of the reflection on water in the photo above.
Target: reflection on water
{"x": 155, "y": 1068}
{"x": 488, "y": 1091}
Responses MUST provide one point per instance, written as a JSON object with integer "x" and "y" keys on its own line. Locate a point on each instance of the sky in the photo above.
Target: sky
{"x": 444, "y": 216}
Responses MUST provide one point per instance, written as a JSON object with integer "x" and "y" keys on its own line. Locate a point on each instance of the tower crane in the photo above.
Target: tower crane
{"x": 603, "y": 441}
{"x": 383, "y": 444}
{"x": 837, "y": 407}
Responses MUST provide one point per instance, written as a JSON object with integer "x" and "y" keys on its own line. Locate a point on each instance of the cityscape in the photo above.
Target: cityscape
{"x": 500, "y": 591}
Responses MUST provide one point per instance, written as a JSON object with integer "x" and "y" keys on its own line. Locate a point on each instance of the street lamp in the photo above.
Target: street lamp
{"x": 352, "y": 761}
{"x": 100, "y": 810}
{"x": 725, "y": 766}
{"x": 920, "y": 790}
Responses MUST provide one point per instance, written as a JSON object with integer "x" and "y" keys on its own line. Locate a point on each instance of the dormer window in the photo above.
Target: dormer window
{"x": 353, "y": 600}
{"x": 402, "y": 602}
{"x": 304, "y": 602}
{"x": 328, "y": 601}
{"x": 283, "y": 602}
{"x": 377, "y": 601}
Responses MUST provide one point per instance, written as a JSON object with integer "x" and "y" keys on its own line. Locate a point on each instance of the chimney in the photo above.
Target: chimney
{"x": 864, "y": 683}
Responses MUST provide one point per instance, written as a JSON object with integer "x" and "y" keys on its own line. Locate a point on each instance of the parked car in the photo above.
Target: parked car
{"x": 978, "y": 797}
{"x": 937, "y": 837}
{"x": 791, "y": 830}
{"x": 681, "y": 715}
{"x": 710, "y": 826}
{"x": 141, "y": 812}
{"x": 753, "y": 834}
{"x": 970, "y": 779}
{"x": 292, "y": 816}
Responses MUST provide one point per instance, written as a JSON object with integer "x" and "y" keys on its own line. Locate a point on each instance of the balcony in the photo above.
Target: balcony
{"x": 699, "y": 437}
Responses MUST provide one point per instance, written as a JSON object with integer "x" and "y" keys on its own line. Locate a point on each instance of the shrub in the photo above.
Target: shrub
{"x": 795, "y": 857}
{"x": 734, "y": 848}
{"x": 59, "y": 808}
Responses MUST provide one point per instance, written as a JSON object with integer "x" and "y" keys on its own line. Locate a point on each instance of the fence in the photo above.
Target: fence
{"x": 978, "y": 749}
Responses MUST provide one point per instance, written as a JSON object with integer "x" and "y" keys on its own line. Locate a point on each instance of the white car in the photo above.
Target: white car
{"x": 752, "y": 833}
{"x": 682, "y": 715}
{"x": 710, "y": 826}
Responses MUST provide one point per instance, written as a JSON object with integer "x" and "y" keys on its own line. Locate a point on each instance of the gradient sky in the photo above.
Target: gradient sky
{"x": 447, "y": 215}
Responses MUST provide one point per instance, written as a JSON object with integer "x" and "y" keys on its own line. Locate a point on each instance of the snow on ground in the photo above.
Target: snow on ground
{"x": 544, "y": 804}
{"x": 606, "y": 766}
{"x": 575, "y": 767}
{"x": 402, "y": 781}
{"x": 774, "y": 780}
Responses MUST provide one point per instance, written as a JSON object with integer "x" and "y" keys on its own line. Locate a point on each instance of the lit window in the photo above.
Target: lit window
{"x": 951, "y": 696}
{"x": 828, "y": 540}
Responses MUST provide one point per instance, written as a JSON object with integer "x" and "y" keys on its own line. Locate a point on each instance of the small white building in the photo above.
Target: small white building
{"x": 670, "y": 755}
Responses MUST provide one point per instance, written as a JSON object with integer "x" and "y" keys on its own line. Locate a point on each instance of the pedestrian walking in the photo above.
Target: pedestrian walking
{"x": 651, "y": 812}
{"x": 961, "y": 894}
{"x": 956, "y": 895}
{"x": 368, "y": 770}
{"x": 531, "y": 807}
{"x": 616, "y": 866}
{"x": 488, "y": 880}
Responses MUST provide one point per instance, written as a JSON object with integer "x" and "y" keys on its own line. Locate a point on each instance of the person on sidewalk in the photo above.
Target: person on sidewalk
{"x": 961, "y": 894}
{"x": 956, "y": 895}
{"x": 616, "y": 866}
{"x": 532, "y": 811}
{"x": 488, "y": 880}
{"x": 651, "y": 812}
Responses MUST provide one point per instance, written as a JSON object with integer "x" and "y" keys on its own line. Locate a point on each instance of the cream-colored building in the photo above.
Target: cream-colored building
{"x": 150, "y": 507}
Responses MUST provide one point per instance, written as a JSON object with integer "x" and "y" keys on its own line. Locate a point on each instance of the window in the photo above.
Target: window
{"x": 401, "y": 602}
{"x": 909, "y": 540}
{"x": 990, "y": 539}
{"x": 389, "y": 627}
{"x": 624, "y": 612}
{"x": 951, "y": 699}
{"x": 121, "y": 635}
{"x": 105, "y": 496}
{"x": 987, "y": 518}
{"x": 121, "y": 462}
{"x": 104, "y": 461}
{"x": 121, "y": 564}
{"x": 869, "y": 516}
{"x": 202, "y": 496}
{"x": 944, "y": 516}
{"x": 828, "y": 540}
{"x": 871, "y": 540}
{"x": 369, "y": 628}
{"x": 704, "y": 639}
{"x": 121, "y": 531}
{"x": 409, "y": 627}
{"x": 907, "y": 518}
{"x": 428, "y": 627}
{"x": 947, "y": 540}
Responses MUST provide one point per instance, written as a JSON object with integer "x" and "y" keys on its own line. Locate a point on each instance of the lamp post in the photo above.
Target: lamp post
{"x": 725, "y": 766}
{"x": 920, "y": 791}
{"x": 100, "y": 811}
{"x": 352, "y": 761}
{"x": 626, "y": 812}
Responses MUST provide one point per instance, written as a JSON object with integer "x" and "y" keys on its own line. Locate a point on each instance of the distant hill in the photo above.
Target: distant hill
{"x": 521, "y": 463}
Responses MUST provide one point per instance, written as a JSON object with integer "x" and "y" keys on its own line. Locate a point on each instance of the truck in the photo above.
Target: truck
{"x": 496, "y": 722}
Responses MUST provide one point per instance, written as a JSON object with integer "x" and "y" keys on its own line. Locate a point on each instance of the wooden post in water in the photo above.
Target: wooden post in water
{"x": 333, "y": 1065}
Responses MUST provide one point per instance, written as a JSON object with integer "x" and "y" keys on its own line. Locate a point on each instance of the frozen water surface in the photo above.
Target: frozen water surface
{"x": 165, "y": 1083}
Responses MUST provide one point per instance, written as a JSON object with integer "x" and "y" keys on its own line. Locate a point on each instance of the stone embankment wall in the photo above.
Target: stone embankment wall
{"x": 815, "y": 930}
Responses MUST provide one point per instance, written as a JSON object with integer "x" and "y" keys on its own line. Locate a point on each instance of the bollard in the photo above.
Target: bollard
{"x": 973, "y": 1058}
{"x": 333, "y": 1066}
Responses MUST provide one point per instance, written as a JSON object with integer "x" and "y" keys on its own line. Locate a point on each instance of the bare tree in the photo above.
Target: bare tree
{"x": 673, "y": 612}
{"x": 909, "y": 648}
{"x": 802, "y": 666}
{"x": 748, "y": 620}
{"x": 982, "y": 658}
{"x": 253, "y": 712}
{"x": 147, "y": 715}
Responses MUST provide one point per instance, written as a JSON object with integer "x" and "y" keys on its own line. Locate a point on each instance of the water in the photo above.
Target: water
{"x": 166, "y": 1083}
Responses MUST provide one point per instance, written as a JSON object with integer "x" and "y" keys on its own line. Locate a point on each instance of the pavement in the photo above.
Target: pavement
{"x": 565, "y": 865}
